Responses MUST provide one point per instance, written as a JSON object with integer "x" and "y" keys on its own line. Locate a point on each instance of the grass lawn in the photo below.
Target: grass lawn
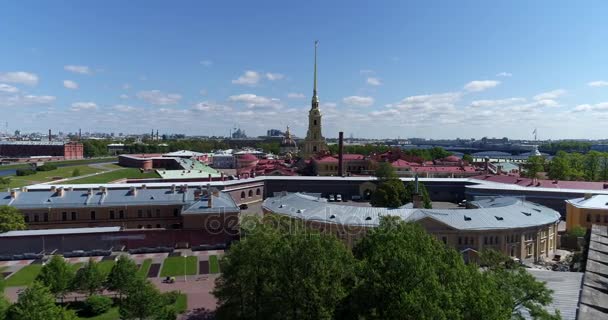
{"x": 174, "y": 266}
{"x": 145, "y": 267}
{"x": 181, "y": 305}
{"x": 112, "y": 314}
{"x": 214, "y": 265}
{"x": 24, "y": 277}
{"x": 106, "y": 266}
{"x": 46, "y": 176}
{"x": 132, "y": 173}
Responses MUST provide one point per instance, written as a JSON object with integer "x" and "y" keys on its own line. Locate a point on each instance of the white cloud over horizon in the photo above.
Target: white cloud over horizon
{"x": 77, "y": 69}
{"x": 358, "y": 101}
{"x": 598, "y": 83}
{"x": 83, "y": 106}
{"x": 373, "y": 81}
{"x": 20, "y": 77}
{"x": 157, "y": 97}
{"x": 480, "y": 85}
{"x": 249, "y": 78}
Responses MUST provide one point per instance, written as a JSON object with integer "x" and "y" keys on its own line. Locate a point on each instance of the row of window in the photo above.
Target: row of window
{"x": 93, "y": 215}
{"x": 491, "y": 240}
{"x": 598, "y": 218}
{"x": 250, "y": 193}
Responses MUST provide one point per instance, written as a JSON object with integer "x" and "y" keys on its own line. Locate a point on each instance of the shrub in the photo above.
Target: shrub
{"x": 46, "y": 167}
{"x": 25, "y": 172}
{"x": 96, "y": 305}
{"x": 76, "y": 172}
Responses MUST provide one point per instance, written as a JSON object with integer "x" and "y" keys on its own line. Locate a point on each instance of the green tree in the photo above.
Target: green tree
{"x": 267, "y": 275}
{"x": 122, "y": 275}
{"x": 37, "y": 303}
{"x": 75, "y": 172}
{"x": 89, "y": 279}
{"x": 4, "y": 304}
{"x": 559, "y": 167}
{"x": 143, "y": 300}
{"x": 468, "y": 158}
{"x": 592, "y": 165}
{"x": 385, "y": 171}
{"x": 11, "y": 219}
{"x": 390, "y": 193}
{"x": 5, "y": 181}
{"x": 57, "y": 275}
{"x": 405, "y": 271}
{"x": 518, "y": 287}
{"x": 533, "y": 166}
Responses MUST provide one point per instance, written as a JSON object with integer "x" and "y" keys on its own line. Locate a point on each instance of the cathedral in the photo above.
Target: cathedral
{"x": 314, "y": 142}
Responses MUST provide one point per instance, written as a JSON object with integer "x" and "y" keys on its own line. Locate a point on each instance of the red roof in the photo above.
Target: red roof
{"x": 326, "y": 159}
{"x": 451, "y": 158}
{"x": 248, "y": 157}
{"x": 400, "y": 163}
{"x": 543, "y": 183}
{"x": 353, "y": 156}
{"x": 448, "y": 169}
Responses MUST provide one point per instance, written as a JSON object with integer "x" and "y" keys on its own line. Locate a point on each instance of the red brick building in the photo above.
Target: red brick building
{"x": 26, "y": 149}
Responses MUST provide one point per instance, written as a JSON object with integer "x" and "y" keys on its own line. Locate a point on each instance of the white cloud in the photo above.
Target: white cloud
{"x": 252, "y": 101}
{"x": 158, "y": 97}
{"x": 33, "y": 99}
{"x": 599, "y": 83}
{"x": 602, "y": 107}
{"x": 18, "y": 100}
{"x": 5, "y": 88}
{"x": 550, "y": 95}
{"x": 124, "y": 108}
{"x": 274, "y": 76}
{"x": 206, "y": 63}
{"x": 504, "y": 74}
{"x": 429, "y": 101}
{"x": 480, "y": 85}
{"x": 21, "y": 77}
{"x": 210, "y": 107}
{"x": 124, "y": 96}
{"x": 80, "y": 106}
{"x": 295, "y": 95}
{"x": 249, "y": 78}
{"x": 69, "y": 84}
{"x": 374, "y": 81}
{"x": 359, "y": 101}
{"x": 496, "y": 103}
{"x": 78, "y": 69}
{"x": 387, "y": 112}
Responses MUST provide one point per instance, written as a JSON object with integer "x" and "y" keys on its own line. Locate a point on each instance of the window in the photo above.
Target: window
{"x": 112, "y": 215}
{"x": 140, "y": 213}
{"x": 466, "y": 240}
{"x": 258, "y": 192}
{"x": 445, "y": 240}
{"x": 121, "y": 214}
{"x": 242, "y": 194}
{"x": 158, "y": 213}
{"x": 175, "y": 212}
{"x": 149, "y": 226}
{"x": 588, "y": 217}
{"x": 250, "y": 193}
{"x": 459, "y": 240}
{"x": 46, "y": 217}
{"x": 149, "y": 213}
{"x": 158, "y": 225}
{"x": 64, "y": 216}
{"x": 26, "y": 218}
{"x": 314, "y": 122}
{"x": 597, "y": 218}
{"x": 73, "y": 215}
{"x": 139, "y": 226}
{"x": 36, "y": 218}
{"x": 93, "y": 215}
{"x": 485, "y": 240}
{"x": 606, "y": 218}
{"x": 496, "y": 241}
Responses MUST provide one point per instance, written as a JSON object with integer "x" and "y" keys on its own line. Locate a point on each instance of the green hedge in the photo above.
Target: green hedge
{"x": 46, "y": 167}
{"x": 25, "y": 172}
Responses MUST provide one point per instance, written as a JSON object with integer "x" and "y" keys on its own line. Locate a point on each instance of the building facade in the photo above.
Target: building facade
{"x": 516, "y": 228}
{"x": 24, "y": 149}
{"x": 587, "y": 211}
{"x": 314, "y": 141}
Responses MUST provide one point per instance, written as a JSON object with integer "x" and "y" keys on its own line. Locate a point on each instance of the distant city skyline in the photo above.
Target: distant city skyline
{"x": 432, "y": 69}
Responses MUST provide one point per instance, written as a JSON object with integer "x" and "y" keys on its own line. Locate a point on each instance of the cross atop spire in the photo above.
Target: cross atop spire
{"x": 315, "y": 98}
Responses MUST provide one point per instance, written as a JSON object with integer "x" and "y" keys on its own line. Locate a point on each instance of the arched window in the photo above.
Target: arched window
{"x": 314, "y": 122}
{"x": 250, "y": 193}
{"x": 242, "y": 194}
{"x": 258, "y": 192}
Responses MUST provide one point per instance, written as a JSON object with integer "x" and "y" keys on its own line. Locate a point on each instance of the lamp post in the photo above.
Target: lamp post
{"x": 185, "y": 274}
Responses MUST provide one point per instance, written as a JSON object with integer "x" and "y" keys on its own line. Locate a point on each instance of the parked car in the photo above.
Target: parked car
{"x": 244, "y": 206}
{"x": 331, "y": 197}
{"x": 339, "y": 197}
{"x": 462, "y": 203}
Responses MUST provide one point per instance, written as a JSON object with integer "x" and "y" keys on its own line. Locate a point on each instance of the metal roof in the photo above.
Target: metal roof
{"x": 593, "y": 297}
{"x": 599, "y": 201}
{"x": 510, "y": 215}
{"x": 49, "y": 232}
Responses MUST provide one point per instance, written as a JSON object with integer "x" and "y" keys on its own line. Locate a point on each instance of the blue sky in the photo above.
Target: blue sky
{"x": 436, "y": 69}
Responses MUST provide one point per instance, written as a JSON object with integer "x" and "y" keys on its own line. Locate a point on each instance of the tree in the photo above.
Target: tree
{"x": 57, "y": 275}
{"x": 467, "y": 158}
{"x": 11, "y": 219}
{"x": 4, "y": 304}
{"x": 390, "y": 193}
{"x": 533, "y": 166}
{"x": 5, "y": 181}
{"x": 518, "y": 287}
{"x": 385, "y": 171}
{"x": 592, "y": 165}
{"x": 37, "y": 303}
{"x": 267, "y": 275}
{"x": 122, "y": 275}
{"x": 89, "y": 279}
{"x": 559, "y": 167}
{"x": 143, "y": 300}
{"x": 75, "y": 172}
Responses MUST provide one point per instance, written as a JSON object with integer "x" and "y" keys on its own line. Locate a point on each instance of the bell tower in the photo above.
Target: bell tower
{"x": 314, "y": 141}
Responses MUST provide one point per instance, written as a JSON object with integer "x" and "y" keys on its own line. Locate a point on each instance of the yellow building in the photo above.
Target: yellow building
{"x": 587, "y": 211}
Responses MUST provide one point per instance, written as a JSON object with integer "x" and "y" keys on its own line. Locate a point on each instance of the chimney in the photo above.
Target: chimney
{"x": 53, "y": 188}
{"x": 23, "y": 189}
{"x": 222, "y": 176}
{"x": 173, "y": 188}
{"x": 210, "y": 201}
{"x": 133, "y": 191}
{"x": 417, "y": 200}
{"x": 103, "y": 190}
{"x": 79, "y": 134}
{"x": 49, "y": 135}
{"x": 14, "y": 194}
{"x": 90, "y": 191}
{"x": 340, "y": 154}
{"x": 143, "y": 187}
{"x": 210, "y": 177}
{"x": 59, "y": 192}
{"x": 197, "y": 194}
